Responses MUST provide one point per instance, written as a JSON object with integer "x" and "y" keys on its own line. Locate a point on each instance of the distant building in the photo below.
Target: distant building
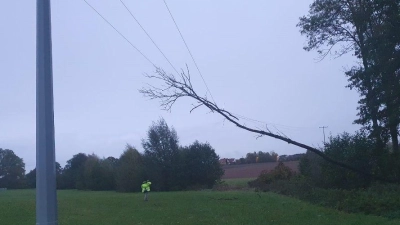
{"x": 226, "y": 161}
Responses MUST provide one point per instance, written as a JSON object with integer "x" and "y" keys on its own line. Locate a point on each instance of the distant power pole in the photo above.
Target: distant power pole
{"x": 323, "y": 131}
{"x": 46, "y": 196}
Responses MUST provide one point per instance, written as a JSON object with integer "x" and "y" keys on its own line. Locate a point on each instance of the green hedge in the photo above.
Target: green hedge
{"x": 379, "y": 199}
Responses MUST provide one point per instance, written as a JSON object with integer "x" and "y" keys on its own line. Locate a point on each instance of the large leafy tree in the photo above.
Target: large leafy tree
{"x": 162, "y": 155}
{"x": 370, "y": 29}
{"x": 12, "y": 169}
{"x": 200, "y": 165}
{"x": 72, "y": 176}
{"x": 129, "y": 170}
{"x": 98, "y": 174}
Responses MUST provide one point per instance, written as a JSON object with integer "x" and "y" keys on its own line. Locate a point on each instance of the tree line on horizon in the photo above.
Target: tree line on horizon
{"x": 168, "y": 165}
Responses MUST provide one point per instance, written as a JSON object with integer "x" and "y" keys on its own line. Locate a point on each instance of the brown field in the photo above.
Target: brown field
{"x": 253, "y": 170}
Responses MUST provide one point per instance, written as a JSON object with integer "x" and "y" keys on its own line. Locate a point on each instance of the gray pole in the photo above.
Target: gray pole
{"x": 323, "y": 131}
{"x": 46, "y": 196}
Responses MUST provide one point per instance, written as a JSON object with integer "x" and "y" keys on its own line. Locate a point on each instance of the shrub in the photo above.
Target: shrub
{"x": 280, "y": 172}
{"x": 221, "y": 186}
{"x": 356, "y": 150}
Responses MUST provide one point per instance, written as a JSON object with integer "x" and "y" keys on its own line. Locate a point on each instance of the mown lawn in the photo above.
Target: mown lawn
{"x": 202, "y": 207}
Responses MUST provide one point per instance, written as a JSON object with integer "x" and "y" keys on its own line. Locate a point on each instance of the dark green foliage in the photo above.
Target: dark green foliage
{"x": 261, "y": 157}
{"x": 200, "y": 166}
{"x": 30, "y": 178}
{"x": 241, "y": 161}
{"x": 331, "y": 186}
{"x": 175, "y": 168}
{"x": 352, "y": 149}
{"x": 251, "y": 157}
{"x": 167, "y": 165}
{"x": 98, "y": 174}
{"x": 161, "y": 155}
{"x": 280, "y": 172}
{"x": 370, "y": 29}
{"x": 113, "y": 161}
{"x": 129, "y": 170}
{"x": 356, "y": 150}
{"x": 310, "y": 166}
{"x": 72, "y": 176}
{"x": 59, "y": 172}
{"x": 287, "y": 158}
{"x": 12, "y": 170}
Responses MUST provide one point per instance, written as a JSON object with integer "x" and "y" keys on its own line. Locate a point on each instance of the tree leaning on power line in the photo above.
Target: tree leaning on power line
{"x": 174, "y": 88}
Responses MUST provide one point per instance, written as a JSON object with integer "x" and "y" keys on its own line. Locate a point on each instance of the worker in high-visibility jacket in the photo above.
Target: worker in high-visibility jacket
{"x": 146, "y": 189}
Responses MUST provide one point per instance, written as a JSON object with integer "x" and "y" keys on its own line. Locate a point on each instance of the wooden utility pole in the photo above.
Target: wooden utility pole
{"x": 323, "y": 131}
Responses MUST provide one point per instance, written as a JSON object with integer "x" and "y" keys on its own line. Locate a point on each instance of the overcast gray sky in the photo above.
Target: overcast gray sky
{"x": 250, "y": 54}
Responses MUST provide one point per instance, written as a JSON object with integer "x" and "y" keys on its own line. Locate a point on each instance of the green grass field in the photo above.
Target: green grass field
{"x": 201, "y": 207}
{"x": 238, "y": 183}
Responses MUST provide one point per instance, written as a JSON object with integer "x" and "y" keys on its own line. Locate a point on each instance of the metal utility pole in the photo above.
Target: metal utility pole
{"x": 46, "y": 196}
{"x": 323, "y": 131}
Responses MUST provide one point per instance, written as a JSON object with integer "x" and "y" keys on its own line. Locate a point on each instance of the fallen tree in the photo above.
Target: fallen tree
{"x": 176, "y": 87}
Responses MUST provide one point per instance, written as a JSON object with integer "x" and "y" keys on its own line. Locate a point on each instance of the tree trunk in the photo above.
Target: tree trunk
{"x": 395, "y": 140}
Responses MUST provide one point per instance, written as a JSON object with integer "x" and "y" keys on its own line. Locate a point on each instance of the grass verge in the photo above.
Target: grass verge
{"x": 201, "y": 207}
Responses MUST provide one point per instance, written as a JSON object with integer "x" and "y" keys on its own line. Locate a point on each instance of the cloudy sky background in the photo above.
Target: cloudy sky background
{"x": 249, "y": 52}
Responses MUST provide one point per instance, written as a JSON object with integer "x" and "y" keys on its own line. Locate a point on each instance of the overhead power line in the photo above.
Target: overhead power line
{"x": 205, "y": 83}
{"x": 187, "y": 47}
{"x": 273, "y": 124}
{"x": 130, "y": 12}
{"x": 126, "y": 39}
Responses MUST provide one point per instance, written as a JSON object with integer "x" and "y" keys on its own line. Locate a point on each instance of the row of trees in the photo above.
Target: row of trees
{"x": 259, "y": 157}
{"x": 167, "y": 164}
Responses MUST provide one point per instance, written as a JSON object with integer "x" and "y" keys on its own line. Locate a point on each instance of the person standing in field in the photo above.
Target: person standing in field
{"x": 146, "y": 189}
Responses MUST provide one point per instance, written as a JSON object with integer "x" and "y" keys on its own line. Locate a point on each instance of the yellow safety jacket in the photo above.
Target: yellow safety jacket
{"x": 146, "y": 186}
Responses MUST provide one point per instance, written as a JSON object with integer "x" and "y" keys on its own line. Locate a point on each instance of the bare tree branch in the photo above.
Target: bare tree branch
{"x": 258, "y": 136}
{"x": 195, "y": 107}
{"x": 280, "y": 132}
